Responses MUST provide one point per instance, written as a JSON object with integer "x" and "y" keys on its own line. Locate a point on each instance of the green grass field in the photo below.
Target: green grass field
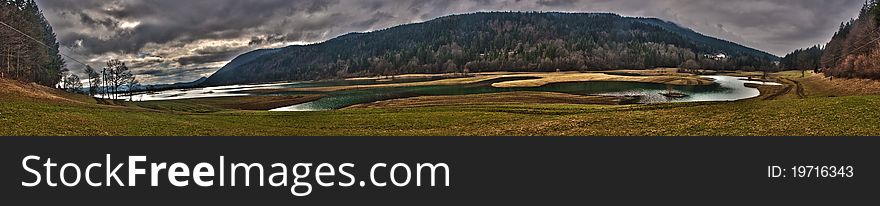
{"x": 817, "y": 116}
{"x": 788, "y": 115}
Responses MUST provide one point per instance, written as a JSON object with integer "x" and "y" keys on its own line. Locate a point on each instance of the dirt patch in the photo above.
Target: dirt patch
{"x": 16, "y": 89}
{"x": 821, "y": 86}
{"x": 790, "y": 89}
{"x": 795, "y": 86}
{"x": 495, "y": 98}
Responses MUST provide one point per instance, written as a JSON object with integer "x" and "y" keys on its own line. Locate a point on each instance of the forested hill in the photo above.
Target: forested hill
{"x": 854, "y": 51}
{"x": 30, "y": 53}
{"x": 495, "y": 41}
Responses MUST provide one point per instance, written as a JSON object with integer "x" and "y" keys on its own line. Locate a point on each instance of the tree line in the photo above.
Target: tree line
{"x": 497, "y": 41}
{"x": 109, "y": 82}
{"x": 28, "y": 47}
{"x": 30, "y": 53}
{"x": 804, "y": 59}
{"x": 853, "y": 52}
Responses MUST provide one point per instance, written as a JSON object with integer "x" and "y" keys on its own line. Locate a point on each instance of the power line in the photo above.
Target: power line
{"x": 41, "y": 43}
{"x": 853, "y": 50}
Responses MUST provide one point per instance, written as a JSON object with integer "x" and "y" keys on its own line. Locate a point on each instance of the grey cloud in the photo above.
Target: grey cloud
{"x": 557, "y": 2}
{"x": 146, "y": 64}
{"x": 776, "y": 26}
{"x": 214, "y": 50}
{"x": 205, "y": 58}
{"x": 174, "y": 75}
{"x": 89, "y": 20}
{"x": 377, "y": 17}
{"x": 171, "y": 71}
{"x": 267, "y": 39}
{"x": 163, "y": 21}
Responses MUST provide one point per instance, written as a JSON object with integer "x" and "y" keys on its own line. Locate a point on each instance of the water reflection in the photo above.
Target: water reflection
{"x": 726, "y": 88}
{"x": 241, "y": 90}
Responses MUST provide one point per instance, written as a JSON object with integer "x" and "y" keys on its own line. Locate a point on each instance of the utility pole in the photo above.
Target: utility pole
{"x": 20, "y": 74}
{"x": 5, "y": 57}
{"x": 17, "y": 66}
{"x": 103, "y": 82}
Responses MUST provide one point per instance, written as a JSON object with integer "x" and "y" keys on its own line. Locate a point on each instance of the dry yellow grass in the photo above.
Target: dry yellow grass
{"x": 464, "y": 80}
{"x": 797, "y": 85}
{"x": 663, "y": 76}
{"x": 13, "y": 88}
{"x": 549, "y": 78}
{"x": 494, "y": 98}
{"x": 234, "y": 103}
{"x": 651, "y": 72}
{"x": 821, "y": 86}
{"x": 841, "y": 116}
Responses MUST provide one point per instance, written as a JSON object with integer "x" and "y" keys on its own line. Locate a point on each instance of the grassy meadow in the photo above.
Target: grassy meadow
{"x": 786, "y": 114}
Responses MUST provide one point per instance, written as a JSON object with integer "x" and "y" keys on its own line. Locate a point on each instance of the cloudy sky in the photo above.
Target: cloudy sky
{"x": 167, "y": 41}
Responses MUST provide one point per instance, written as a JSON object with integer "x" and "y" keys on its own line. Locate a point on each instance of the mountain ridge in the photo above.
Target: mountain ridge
{"x": 493, "y": 41}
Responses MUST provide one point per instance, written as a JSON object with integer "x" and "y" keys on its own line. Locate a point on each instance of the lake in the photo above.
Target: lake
{"x": 241, "y": 90}
{"x": 727, "y": 88}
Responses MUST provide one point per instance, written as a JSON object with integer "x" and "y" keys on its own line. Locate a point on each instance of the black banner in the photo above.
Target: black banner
{"x": 481, "y": 170}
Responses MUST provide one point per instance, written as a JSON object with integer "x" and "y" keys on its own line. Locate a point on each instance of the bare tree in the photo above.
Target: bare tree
{"x": 117, "y": 76}
{"x": 94, "y": 77}
{"x": 71, "y": 83}
{"x": 689, "y": 65}
{"x": 102, "y": 84}
{"x": 130, "y": 82}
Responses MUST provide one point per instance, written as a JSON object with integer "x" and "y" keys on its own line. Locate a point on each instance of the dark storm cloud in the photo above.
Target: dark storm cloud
{"x": 170, "y": 72}
{"x": 162, "y": 21}
{"x": 376, "y": 18}
{"x": 197, "y": 33}
{"x": 211, "y": 57}
{"x": 557, "y": 2}
{"x": 267, "y": 39}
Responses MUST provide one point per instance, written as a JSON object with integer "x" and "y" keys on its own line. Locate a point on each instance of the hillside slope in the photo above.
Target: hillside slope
{"x": 17, "y": 90}
{"x": 27, "y": 39}
{"x": 496, "y": 41}
{"x": 854, "y": 51}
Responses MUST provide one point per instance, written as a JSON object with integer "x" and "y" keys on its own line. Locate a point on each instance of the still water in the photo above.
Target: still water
{"x": 727, "y": 88}
{"x": 241, "y": 90}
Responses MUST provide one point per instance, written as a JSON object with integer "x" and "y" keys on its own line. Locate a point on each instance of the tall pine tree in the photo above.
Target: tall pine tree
{"x": 28, "y": 45}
